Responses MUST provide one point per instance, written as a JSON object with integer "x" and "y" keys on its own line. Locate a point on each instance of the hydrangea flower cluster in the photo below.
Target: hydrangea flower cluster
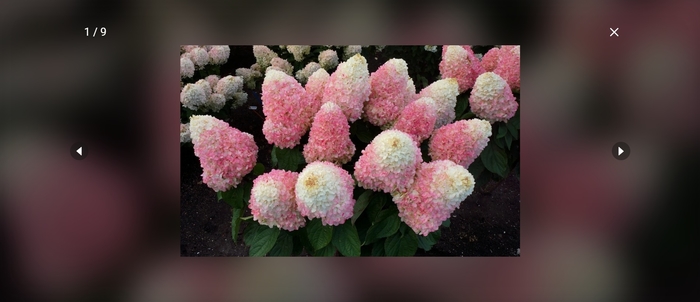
{"x": 299, "y": 51}
{"x": 248, "y": 75}
{"x": 303, "y": 75}
{"x": 185, "y": 133}
{"x": 324, "y": 191}
{"x": 490, "y": 60}
{"x": 351, "y": 50}
{"x": 273, "y": 201}
{"x": 391, "y": 90}
{"x": 461, "y": 142}
{"x": 349, "y": 87}
{"x": 231, "y": 87}
{"x": 444, "y": 92}
{"x": 418, "y": 119}
{"x": 199, "y": 56}
{"x": 315, "y": 87}
{"x": 186, "y": 67}
{"x": 329, "y": 138}
{"x": 212, "y": 80}
{"x": 263, "y": 56}
{"x": 193, "y": 96}
{"x": 218, "y": 54}
{"x": 430, "y": 48}
{"x": 508, "y": 66}
{"x": 284, "y": 105}
{"x": 389, "y": 162}
{"x": 438, "y": 190}
{"x": 328, "y": 59}
{"x": 281, "y": 65}
{"x": 492, "y": 98}
{"x": 460, "y": 63}
{"x": 226, "y": 154}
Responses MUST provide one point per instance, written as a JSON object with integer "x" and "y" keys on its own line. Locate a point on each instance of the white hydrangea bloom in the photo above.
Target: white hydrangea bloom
{"x": 200, "y": 57}
{"x": 328, "y": 59}
{"x": 303, "y": 75}
{"x": 263, "y": 55}
{"x": 200, "y": 123}
{"x": 216, "y": 102}
{"x": 395, "y": 149}
{"x": 248, "y": 76}
{"x": 352, "y": 50}
{"x": 444, "y": 92}
{"x": 456, "y": 183}
{"x": 239, "y": 98}
{"x": 299, "y": 51}
{"x": 192, "y": 96}
{"x": 186, "y": 68}
{"x": 430, "y": 48}
{"x": 205, "y": 86}
{"x": 218, "y": 54}
{"x": 185, "y": 133}
{"x": 229, "y": 85}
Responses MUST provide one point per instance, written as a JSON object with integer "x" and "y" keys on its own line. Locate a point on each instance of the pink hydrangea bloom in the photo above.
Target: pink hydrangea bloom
{"x": 329, "y": 138}
{"x": 328, "y": 59}
{"x": 388, "y": 163}
{"x": 418, "y": 119}
{"x": 315, "y": 88}
{"x": 460, "y": 63}
{"x": 273, "y": 202}
{"x": 490, "y": 59}
{"x": 438, "y": 190}
{"x": 200, "y": 57}
{"x": 349, "y": 87}
{"x": 509, "y": 65}
{"x": 281, "y": 65}
{"x": 226, "y": 154}
{"x": 492, "y": 98}
{"x": 460, "y": 142}
{"x": 263, "y": 56}
{"x": 324, "y": 191}
{"x": 186, "y": 68}
{"x": 391, "y": 90}
{"x": 285, "y": 105}
{"x": 218, "y": 54}
{"x": 444, "y": 92}
{"x": 213, "y": 80}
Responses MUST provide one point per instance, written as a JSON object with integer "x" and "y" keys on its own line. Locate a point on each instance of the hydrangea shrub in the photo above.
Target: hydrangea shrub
{"x": 365, "y": 150}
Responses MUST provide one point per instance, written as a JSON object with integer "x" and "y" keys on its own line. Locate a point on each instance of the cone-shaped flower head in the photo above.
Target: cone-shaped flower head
{"x": 389, "y": 162}
{"x": 226, "y": 154}
{"x": 492, "y": 98}
{"x": 391, "y": 90}
{"x": 281, "y": 65}
{"x": 218, "y": 54}
{"x": 324, "y": 191}
{"x": 186, "y": 67}
{"x": 263, "y": 56}
{"x": 460, "y": 142}
{"x": 299, "y": 51}
{"x": 439, "y": 189}
{"x": 349, "y": 87}
{"x": 444, "y": 92}
{"x": 185, "y": 133}
{"x": 273, "y": 202}
{"x": 460, "y": 63}
{"x": 418, "y": 119}
{"x": 329, "y": 138}
{"x": 490, "y": 60}
{"x": 351, "y": 50}
{"x": 285, "y": 105}
{"x": 315, "y": 88}
{"x": 509, "y": 65}
{"x": 328, "y": 59}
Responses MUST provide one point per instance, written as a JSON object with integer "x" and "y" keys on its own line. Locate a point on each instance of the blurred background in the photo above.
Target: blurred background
{"x": 107, "y": 228}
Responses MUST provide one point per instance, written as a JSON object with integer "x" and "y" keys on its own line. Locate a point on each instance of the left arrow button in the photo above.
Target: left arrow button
{"x": 79, "y": 151}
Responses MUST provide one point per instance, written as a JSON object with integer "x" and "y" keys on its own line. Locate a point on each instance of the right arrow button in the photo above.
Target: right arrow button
{"x": 621, "y": 150}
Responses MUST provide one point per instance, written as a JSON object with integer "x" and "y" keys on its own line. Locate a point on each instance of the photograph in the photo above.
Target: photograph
{"x": 349, "y": 150}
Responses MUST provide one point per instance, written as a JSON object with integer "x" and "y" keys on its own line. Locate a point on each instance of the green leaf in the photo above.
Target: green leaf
{"x": 297, "y": 245}
{"x": 218, "y": 196}
{"x": 509, "y": 140}
{"x": 263, "y": 241}
{"x": 495, "y": 160}
{"x": 502, "y": 130}
{"x": 247, "y": 187}
{"x": 289, "y": 159}
{"x": 462, "y": 103}
{"x": 328, "y": 251}
{"x": 284, "y": 245}
{"x": 512, "y": 130}
{"x": 318, "y": 234}
{"x": 259, "y": 169}
{"x": 426, "y": 242}
{"x": 378, "y": 248}
{"x": 384, "y": 228}
{"x": 476, "y": 168}
{"x": 346, "y": 240}
{"x": 376, "y": 204}
{"x": 361, "y": 205}
{"x": 235, "y": 197}
{"x": 446, "y": 223}
{"x": 235, "y": 223}
{"x": 363, "y": 131}
{"x": 467, "y": 116}
{"x": 401, "y": 245}
{"x": 251, "y": 230}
